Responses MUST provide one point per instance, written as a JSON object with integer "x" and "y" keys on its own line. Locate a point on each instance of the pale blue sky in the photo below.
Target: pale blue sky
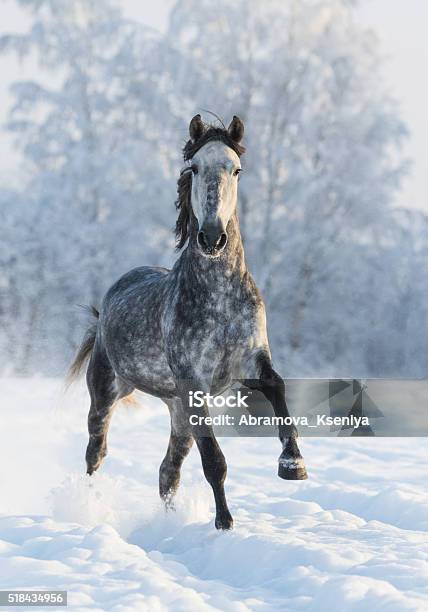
{"x": 399, "y": 24}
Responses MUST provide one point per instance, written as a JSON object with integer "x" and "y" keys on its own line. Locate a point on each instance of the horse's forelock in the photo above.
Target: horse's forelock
{"x": 211, "y": 133}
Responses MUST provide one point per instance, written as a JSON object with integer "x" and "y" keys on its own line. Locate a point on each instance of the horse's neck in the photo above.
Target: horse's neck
{"x": 230, "y": 265}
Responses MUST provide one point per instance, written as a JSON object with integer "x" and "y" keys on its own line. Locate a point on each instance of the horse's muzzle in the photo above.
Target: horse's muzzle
{"x": 212, "y": 239}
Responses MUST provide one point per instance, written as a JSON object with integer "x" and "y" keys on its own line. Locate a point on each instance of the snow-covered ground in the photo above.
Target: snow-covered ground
{"x": 354, "y": 536}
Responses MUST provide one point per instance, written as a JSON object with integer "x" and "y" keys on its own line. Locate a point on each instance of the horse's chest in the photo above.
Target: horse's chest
{"x": 214, "y": 336}
{"x": 224, "y": 320}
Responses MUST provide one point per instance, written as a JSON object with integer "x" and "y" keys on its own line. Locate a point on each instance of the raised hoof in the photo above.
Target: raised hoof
{"x": 292, "y": 474}
{"x": 224, "y": 523}
{"x": 292, "y": 468}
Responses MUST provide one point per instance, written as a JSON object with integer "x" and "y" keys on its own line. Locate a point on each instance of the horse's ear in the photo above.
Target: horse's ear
{"x": 236, "y": 129}
{"x": 196, "y": 128}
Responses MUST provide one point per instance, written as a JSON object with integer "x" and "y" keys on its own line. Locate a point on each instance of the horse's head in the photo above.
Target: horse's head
{"x": 213, "y": 166}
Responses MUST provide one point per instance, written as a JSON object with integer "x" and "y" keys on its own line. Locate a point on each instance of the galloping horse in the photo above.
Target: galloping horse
{"x": 199, "y": 326}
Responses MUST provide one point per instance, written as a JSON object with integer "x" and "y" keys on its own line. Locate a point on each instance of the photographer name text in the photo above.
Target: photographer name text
{"x": 321, "y": 420}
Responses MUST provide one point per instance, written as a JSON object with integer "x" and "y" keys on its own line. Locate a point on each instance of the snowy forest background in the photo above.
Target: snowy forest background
{"x": 343, "y": 270}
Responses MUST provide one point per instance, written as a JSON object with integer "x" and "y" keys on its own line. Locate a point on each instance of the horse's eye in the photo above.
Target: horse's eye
{"x": 237, "y": 171}
{"x": 194, "y": 169}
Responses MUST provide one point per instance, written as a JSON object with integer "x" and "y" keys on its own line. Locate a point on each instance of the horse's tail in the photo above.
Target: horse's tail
{"x": 85, "y": 349}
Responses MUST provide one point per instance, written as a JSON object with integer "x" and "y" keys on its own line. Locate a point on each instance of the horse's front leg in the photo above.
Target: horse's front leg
{"x": 264, "y": 378}
{"x": 213, "y": 461}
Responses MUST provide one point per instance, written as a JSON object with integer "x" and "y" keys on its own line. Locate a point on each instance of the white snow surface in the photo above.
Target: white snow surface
{"x": 354, "y": 536}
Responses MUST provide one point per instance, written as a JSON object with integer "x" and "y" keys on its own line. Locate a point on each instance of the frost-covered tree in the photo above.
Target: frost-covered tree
{"x": 320, "y": 174}
{"x": 94, "y": 130}
{"x": 101, "y": 128}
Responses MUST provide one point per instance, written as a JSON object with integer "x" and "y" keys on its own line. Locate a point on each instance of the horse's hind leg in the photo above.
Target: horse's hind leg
{"x": 180, "y": 443}
{"x": 104, "y": 390}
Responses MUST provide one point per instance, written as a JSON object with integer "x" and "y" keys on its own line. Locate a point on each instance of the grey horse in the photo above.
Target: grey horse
{"x": 200, "y": 326}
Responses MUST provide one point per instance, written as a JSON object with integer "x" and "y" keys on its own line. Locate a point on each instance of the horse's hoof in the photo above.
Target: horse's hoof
{"x": 292, "y": 469}
{"x": 91, "y": 469}
{"x": 168, "y": 501}
{"x": 93, "y": 465}
{"x": 224, "y": 522}
{"x": 96, "y": 451}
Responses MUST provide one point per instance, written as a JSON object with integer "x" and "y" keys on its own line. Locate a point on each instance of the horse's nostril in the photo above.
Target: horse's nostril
{"x": 202, "y": 240}
{"x": 221, "y": 242}
{"x": 210, "y": 241}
